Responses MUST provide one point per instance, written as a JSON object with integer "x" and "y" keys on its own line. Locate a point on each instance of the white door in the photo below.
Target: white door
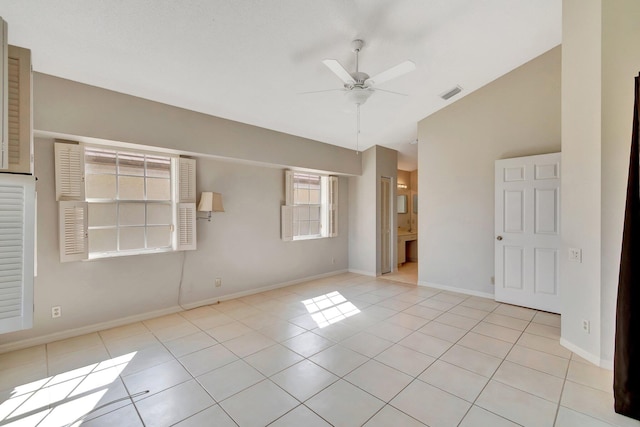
{"x": 385, "y": 224}
{"x": 527, "y": 231}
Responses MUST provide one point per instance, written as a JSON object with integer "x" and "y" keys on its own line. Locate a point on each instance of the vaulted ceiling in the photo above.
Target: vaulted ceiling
{"x": 249, "y": 60}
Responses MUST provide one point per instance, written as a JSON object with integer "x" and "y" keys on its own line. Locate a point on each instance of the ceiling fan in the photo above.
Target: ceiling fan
{"x": 358, "y": 86}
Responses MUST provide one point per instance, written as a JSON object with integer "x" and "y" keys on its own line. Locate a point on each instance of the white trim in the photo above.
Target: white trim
{"x": 70, "y": 333}
{"x": 246, "y": 293}
{"x": 96, "y": 327}
{"x": 604, "y": 364}
{"x": 458, "y": 290}
{"x": 362, "y": 272}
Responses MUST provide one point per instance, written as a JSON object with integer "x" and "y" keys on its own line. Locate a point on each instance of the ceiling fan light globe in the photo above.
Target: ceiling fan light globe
{"x": 358, "y": 96}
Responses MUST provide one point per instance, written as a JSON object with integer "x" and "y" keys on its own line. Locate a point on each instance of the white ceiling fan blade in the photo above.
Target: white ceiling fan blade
{"x": 339, "y": 70}
{"x": 393, "y": 72}
{"x": 321, "y": 91}
{"x": 390, "y": 91}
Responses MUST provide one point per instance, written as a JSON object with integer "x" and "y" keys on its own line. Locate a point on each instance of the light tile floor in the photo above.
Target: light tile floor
{"x": 387, "y": 354}
{"x": 406, "y": 273}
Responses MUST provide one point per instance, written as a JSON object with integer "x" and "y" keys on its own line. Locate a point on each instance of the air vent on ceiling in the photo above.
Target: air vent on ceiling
{"x": 451, "y": 93}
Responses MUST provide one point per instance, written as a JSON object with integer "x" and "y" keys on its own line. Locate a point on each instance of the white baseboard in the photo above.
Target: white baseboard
{"x": 241, "y": 294}
{"x": 362, "y": 272}
{"x": 604, "y": 364}
{"x": 458, "y": 290}
{"x": 70, "y": 333}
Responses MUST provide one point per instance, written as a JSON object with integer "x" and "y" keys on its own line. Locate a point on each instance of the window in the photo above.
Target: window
{"x": 310, "y": 211}
{"x": 122, "y": 202}
{"x": 131, "y": 203}
{"x": 308, "y": 191}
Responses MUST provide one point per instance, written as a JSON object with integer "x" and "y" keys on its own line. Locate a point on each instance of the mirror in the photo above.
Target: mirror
{"x": 402, "y": 204}
{"x": 415, "y": 203}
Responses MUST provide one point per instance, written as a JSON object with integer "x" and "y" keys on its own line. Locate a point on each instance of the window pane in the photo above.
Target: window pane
{"x": 159, "y": 237}
{"x": 304, "y": 228}
{"x": 99, "y": 161}
{"x": 158, "y": 189}
{"x": 101, "y": 186}
{"x": 303, "y": 196}
{"x": 102, "y": 240}
{"x": 130, "y": 188}
{"x": 130, "y": 164}
{"x": 131, "y": 238}
{"x": 101, "y": 214}
{"x": 314, "y": 196}
{"x": 303, "y": 212}
{"x": 314, "y": 227}
{"x": 314, "y": 213}
{"x": 159, "y": 213}
{"x": 131, "y": 214}
{"x": 159, "y": 167}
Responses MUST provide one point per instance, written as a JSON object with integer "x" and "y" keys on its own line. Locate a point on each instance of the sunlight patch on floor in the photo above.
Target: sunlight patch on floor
{"x": 330, "y": 308}
{"x": 62, "y": 399}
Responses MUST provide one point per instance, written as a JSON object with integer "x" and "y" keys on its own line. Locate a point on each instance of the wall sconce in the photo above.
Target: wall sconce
{"x": 402, "y": 186}
{"x": 210, "y": 202}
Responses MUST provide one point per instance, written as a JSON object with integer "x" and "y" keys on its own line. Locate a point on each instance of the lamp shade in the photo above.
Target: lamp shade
{"x": 210, "y": 202}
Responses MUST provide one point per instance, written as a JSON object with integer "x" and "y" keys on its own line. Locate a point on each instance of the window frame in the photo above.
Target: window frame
{"x": 172, "y": 202}
{"x": 73, "y": 206}
{"x": 327, "y": 206}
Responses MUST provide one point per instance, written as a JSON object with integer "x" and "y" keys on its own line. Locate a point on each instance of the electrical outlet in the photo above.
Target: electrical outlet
{"x": 218, "y": 282}
{"x": 333, "y": 260}
{"x": 493, "y": 280}
{"x": 575, "y": 254}
{"x": 586, "y": 326}
{"x": 56, "y": 312}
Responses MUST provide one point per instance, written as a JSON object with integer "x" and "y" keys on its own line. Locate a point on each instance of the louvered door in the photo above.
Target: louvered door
{"x": 17, "y": 213}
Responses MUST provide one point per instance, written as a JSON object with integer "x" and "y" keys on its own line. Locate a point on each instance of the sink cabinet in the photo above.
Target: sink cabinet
{"x": 403, "y": 239}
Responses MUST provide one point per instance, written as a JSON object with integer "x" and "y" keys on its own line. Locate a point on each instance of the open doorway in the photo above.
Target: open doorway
{"x": 407, "y": 232}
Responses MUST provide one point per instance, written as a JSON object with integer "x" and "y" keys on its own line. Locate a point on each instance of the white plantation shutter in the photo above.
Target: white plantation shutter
{"x": 187, "y": 180}
{"x": 74, "y": 241}
{"x": 288, "y": 188}
{"x": 69, "y": 165}
{"x": 333, "y": 207}
{"x": 4, "y": 99}
{"x": 186, "y": 215}
{"x": 286, "y": 230}
{"x": 20, "y": 144}
{"x": 186, "y": 236}
{"x": 286, "y": 212}
{"x": 17, "y": 213}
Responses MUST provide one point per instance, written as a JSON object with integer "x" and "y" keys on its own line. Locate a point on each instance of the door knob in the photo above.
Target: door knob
{"x": 499, "y": 238}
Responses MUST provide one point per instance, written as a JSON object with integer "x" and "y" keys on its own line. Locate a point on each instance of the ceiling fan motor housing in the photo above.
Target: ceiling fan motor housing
{"x": 360, "y": 78}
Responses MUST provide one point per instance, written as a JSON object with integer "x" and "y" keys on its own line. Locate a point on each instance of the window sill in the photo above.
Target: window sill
{"x": 302, "y": 238}
{"x": 106, "y": 255}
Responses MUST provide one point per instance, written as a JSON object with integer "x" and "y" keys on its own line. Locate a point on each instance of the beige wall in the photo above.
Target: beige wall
{"x": 580, "y": 186}
{"x": 516, "y": 115}
{"x": 364, "y": 210}
{"x": 68, "y": 107}
{"x": 601, "y": 58}
{"x": 242, "y": 245}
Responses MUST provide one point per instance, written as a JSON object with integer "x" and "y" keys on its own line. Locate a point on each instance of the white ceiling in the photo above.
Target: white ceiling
{"x": 248, "y": 60}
